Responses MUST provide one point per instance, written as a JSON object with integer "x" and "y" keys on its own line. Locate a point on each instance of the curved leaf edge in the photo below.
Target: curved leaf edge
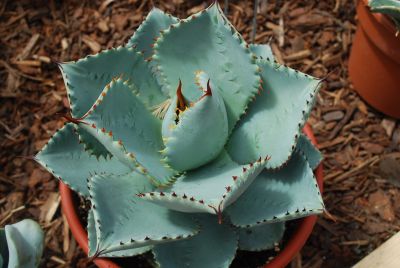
{"x": 201, "y": 205}
{"x": 67, "y": 82}
{"x": 129, "y": 243}
{"x": 310, "y": 101}
{"x": 52, "y": 172}
{"x": 298, "y": 213}
{"x": 166, "y": 86}
{"x": 118, "y": 145}
{"x": 200, "y": 229}
{"x": 144, "y": 23}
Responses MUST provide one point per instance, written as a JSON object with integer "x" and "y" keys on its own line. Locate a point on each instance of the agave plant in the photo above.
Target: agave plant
{"x": 188, "y": 142}
{"x": 388, "y": 7}
{"x": 21, "y": 244}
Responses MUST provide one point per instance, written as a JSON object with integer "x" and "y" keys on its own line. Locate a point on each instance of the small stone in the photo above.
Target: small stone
{"x": 381, "y": 204}
{"x": 390, "y": 170}
{"x": 333, "y": 116}
{"x": 388, "y": 125}
{"x": 396, "y": 137}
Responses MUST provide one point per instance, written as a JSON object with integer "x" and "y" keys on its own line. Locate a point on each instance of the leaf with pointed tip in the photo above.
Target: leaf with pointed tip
{"x": 275, "y": 119}
{"x": 214, "y": 246}
{"x": 123, "y": 221}
{"x": 92, "y": 237}
{"x": 312, "y": 154}
{"x": 260, "y": 237}
{"x": 280, "y": 195}
{"x": 3, "y": 248}
{"x": 209, "y": 189}
{"x": 201, "y": 128}
{"x": 149, "y": 31}
{"x": 86, "y": 78}
{"x": 262, "y": 51}
{"x": 198, "y": 43}
{"x": 119, "y": 115}
{"x": 67, "y": 160}
{"x": 25, "y": 243}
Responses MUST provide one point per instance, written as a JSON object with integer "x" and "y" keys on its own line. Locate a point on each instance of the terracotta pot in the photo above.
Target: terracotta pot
{"x": 374, "y": 64}
{"x": 294, "y": 245}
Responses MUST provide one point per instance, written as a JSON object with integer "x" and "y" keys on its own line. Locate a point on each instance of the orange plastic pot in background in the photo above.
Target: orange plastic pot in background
{"x": 294, "y": 245}
{"x": 374, "y": 64}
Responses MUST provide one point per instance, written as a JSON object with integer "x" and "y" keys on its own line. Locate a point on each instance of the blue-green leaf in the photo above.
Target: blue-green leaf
{"x": 275, "y": 119}
{"x": 198, "y": 43}
{"x": 25, "y": 241}
{"x": 198, "y": 134}
{"x": 214, "y": 246}
{"x": 86, "y": 78}
{"x": 260, "y": 237}
{"x": 124, "y": 222}
{"x": 149, "y": 30}
{"x": 121, "y": 122}
{"x": 92, "y": 238}
{"x": 262, "y": 51}
{"x": 313, "y": 155}
{"x": 289, "y": 193}
{"x": 91, "y": 144}
{"x": 209, "y": 189}
{"x": 67, "y": 160}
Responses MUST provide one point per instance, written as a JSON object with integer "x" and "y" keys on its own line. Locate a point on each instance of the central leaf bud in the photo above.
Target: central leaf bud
{"x": 194, "y": 133}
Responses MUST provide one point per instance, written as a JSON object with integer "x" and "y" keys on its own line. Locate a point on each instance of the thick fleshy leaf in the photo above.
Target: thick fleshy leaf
{"x": 121, "y": 122}
{"x": 198, "y": 135}
{"x": 123, "y": 221}
{"x": 25, "y": 241}
{"x": 3, "y": 248}
{"x": 209, "y": 189}
{"x": 149, "y": 30}
{"x": 92, "y": 237}
{"x": 275, "y": 119}
{"x": 260, "y": 237}
{"x": 214, "y": 246}
{"x": 198, "y": 43}
{"x": 262, "y": 51}
{"x": 313, "y": 155}
{"x": 86, "y": 78}
{"x": 66, "y": 159}
{"x": 280, "y": 195}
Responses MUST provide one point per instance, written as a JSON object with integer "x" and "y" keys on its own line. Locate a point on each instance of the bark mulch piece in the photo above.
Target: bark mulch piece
{"x": 360, "y": 145}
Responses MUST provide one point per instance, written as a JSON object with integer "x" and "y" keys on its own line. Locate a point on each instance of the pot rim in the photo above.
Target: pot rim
{"x": 382, "y": 19}
{"x": 294, "y": 245}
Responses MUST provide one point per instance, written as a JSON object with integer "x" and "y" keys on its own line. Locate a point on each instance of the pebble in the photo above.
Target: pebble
{"x": 333, "y": 116}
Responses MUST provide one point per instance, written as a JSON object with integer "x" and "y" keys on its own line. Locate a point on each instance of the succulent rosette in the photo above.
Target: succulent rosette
{"x": 188, "y": 142}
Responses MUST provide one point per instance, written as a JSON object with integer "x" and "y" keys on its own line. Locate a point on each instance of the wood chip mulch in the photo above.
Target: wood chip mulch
{"x": 360, "y": 145}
